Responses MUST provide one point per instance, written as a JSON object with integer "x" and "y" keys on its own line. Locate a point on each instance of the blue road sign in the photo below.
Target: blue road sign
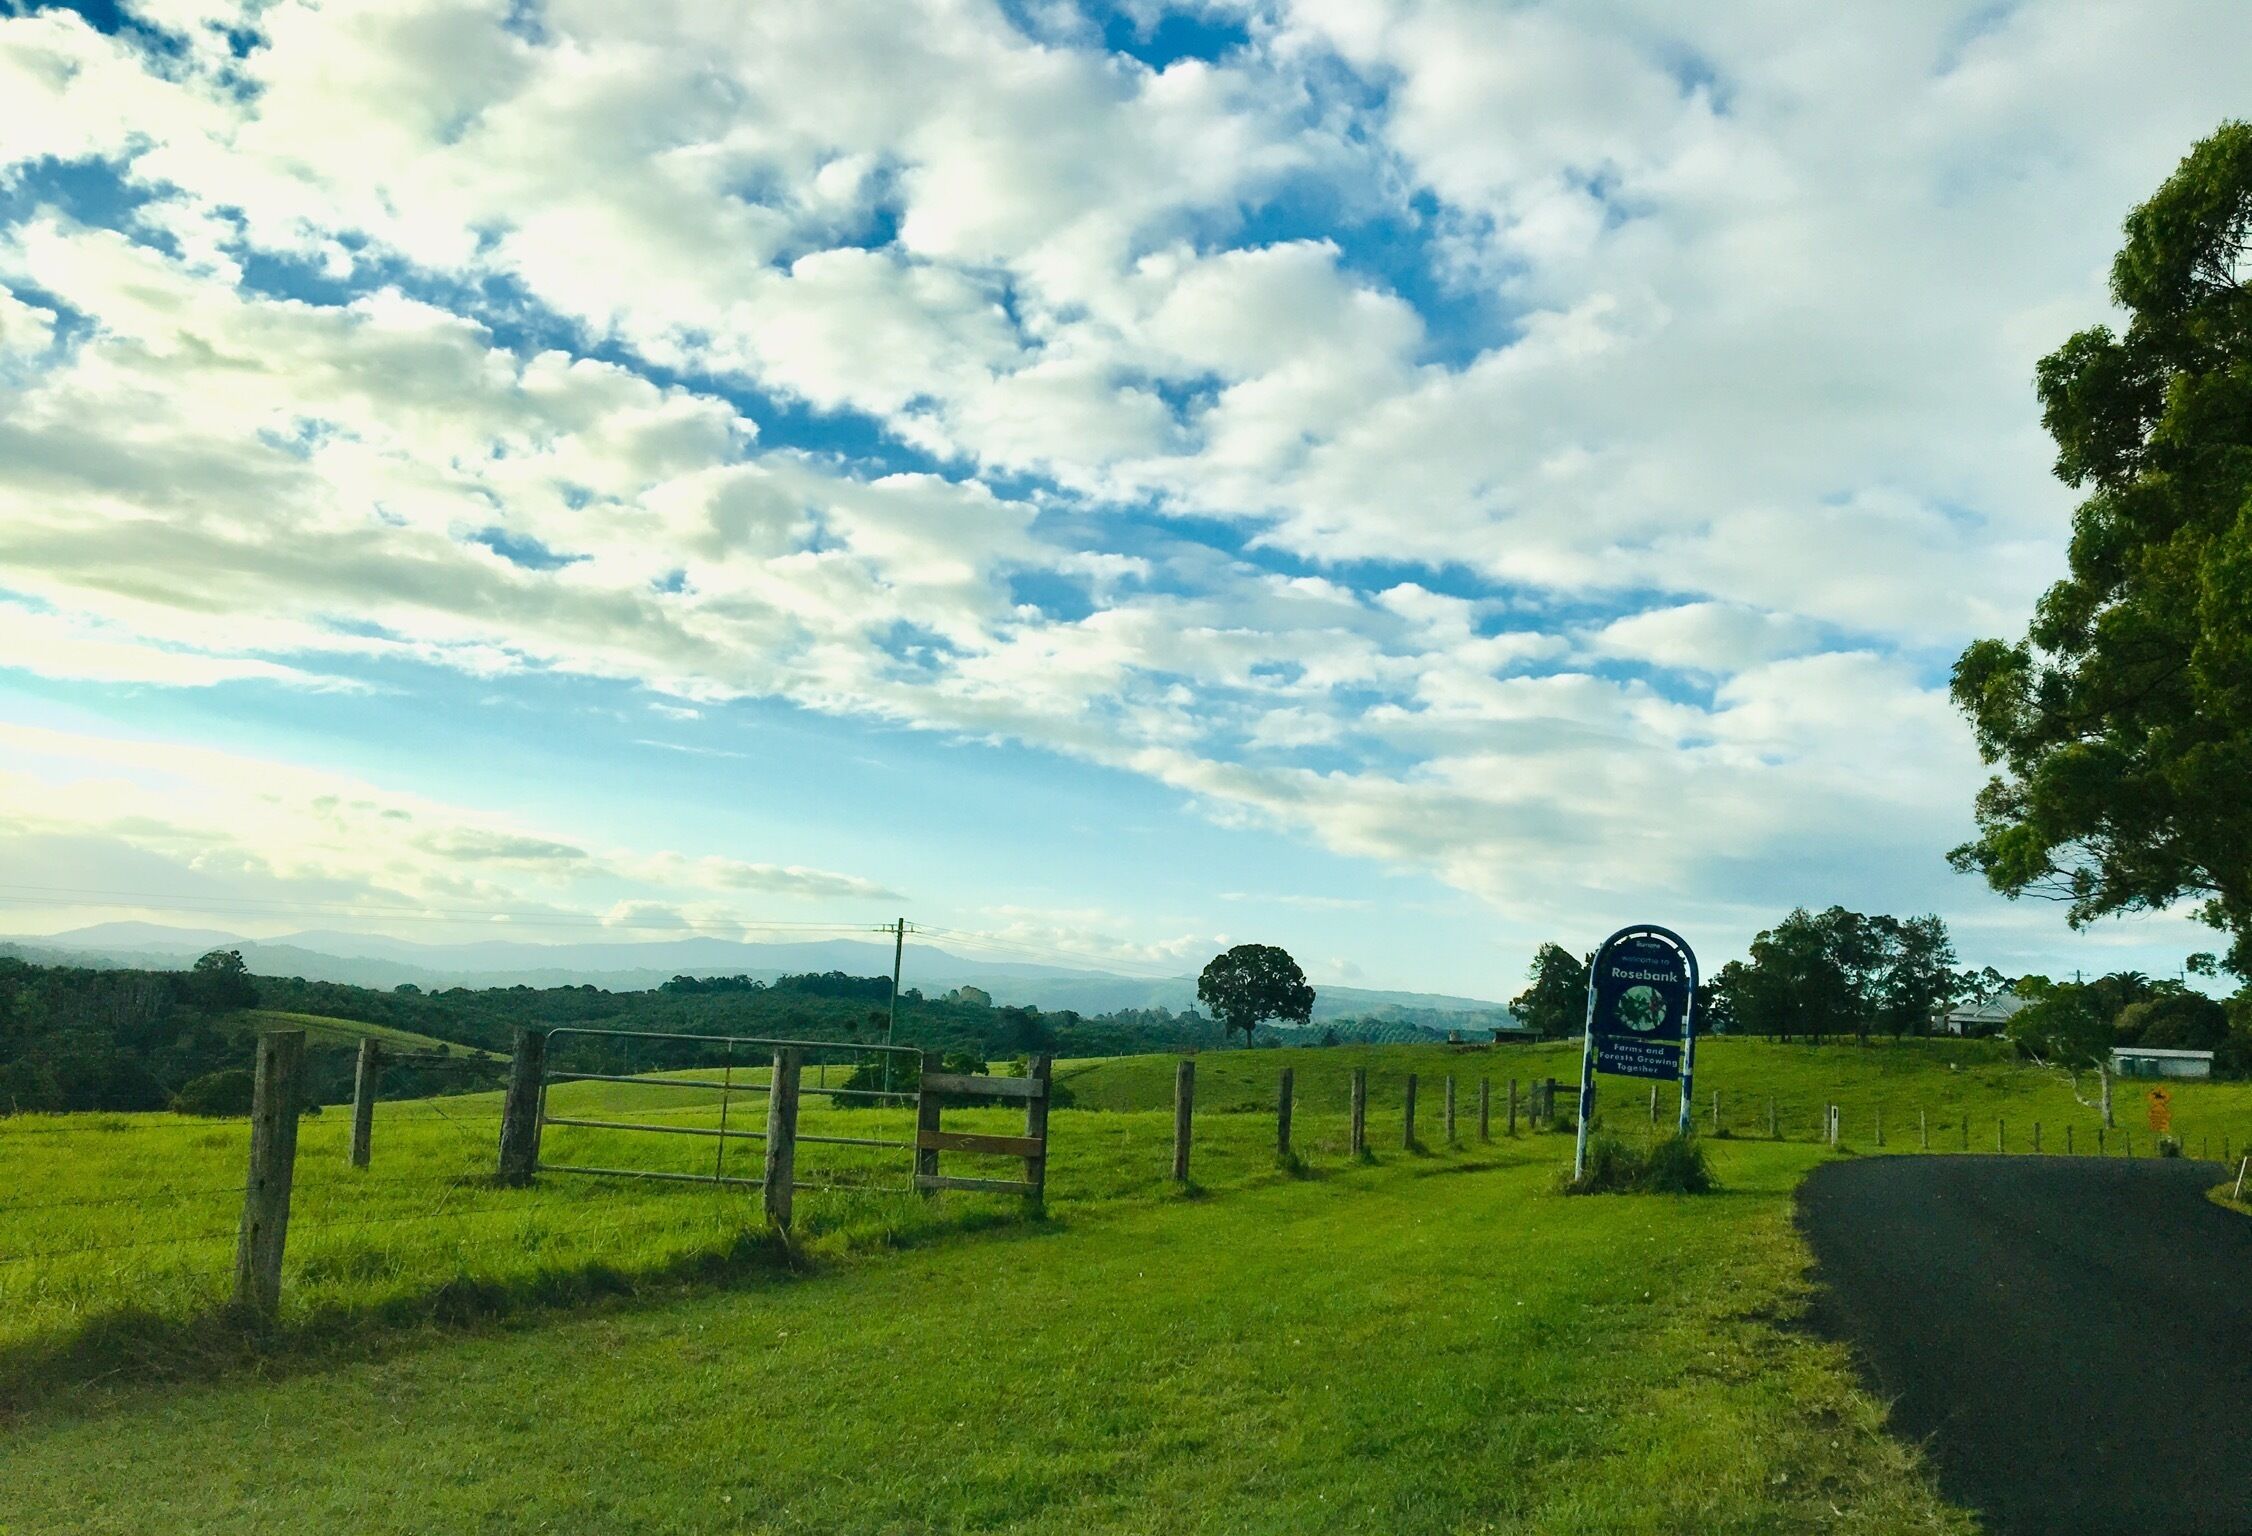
{"x": 1641, "y": 1017}
{"x": 1643, "y": 991}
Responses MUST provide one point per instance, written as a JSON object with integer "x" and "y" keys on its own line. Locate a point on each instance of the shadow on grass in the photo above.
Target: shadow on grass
{"x": 133, "y": 1346}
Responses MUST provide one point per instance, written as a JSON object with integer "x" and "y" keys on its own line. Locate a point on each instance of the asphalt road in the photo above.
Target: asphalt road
{"x": 2070, "y": 1337}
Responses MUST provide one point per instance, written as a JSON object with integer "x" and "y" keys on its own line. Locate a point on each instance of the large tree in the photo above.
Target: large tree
{"x": 2122, "y": 722}
{"x": 1556, "y": 1002}
{"x": 1253, "y": 983}
{"x": 1821, "y": 973}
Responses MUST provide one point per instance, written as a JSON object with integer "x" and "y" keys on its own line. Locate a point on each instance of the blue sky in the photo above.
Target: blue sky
{"x": 1402, "y": 479}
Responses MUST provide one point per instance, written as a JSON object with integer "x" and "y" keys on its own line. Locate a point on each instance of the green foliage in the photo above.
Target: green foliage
{"x": 2122, "y": 721}
{"x": 1253, "y": 983}
{"x": 2068, "y": 1025}
{"x": 1839, "y": 972}
{"x": 1556, "y": 1003}
{"x": 219, "y": 982}
{"x": 216, "y": 1093}
{"x": 1671, "y": 1165}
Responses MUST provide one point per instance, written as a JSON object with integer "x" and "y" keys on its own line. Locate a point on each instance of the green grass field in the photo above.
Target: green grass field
{"x": 321, "y": 1028}
{"x": 1434, "y": 1340}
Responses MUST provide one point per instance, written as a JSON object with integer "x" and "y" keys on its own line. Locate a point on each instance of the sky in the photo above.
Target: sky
{"x": 1400, "y": 479}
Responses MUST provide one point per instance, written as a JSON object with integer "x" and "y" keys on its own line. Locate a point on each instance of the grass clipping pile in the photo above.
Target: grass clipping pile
{"x": 1669, "y": 1165}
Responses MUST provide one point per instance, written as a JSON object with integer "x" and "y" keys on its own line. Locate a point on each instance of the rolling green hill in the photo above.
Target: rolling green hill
{"x": 1427, "y": 1340}
{"x": 322, "y": 1028}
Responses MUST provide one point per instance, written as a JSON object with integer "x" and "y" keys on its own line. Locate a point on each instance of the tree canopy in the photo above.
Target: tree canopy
{"x": 1556, "y": 1002}
{"x": 1253, "y": 983}
{"x": 2122, "y": 721}
{"x": 1837, "y": 972}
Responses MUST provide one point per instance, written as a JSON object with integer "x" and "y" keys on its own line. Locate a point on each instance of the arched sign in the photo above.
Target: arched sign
{"x": 1641, "y": 1016}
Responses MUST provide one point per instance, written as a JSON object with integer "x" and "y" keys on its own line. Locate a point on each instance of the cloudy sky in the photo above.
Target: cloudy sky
{"x": 1403, "y": 479}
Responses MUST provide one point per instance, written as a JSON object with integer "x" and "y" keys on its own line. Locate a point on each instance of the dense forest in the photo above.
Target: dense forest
{"x": 76, "y": 1038}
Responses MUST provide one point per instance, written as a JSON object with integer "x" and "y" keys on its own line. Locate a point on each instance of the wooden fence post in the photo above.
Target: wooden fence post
{"x": 1042, "y": 1070}
{"x": 1486, "y": 1110}
{"x": 1923, "y": 1132}
{"x": 2099, "y": 1141}
{"x": 1282, "y": 1114}
{"x": 1360, "y": 1111}
{"x": 1513, "y": 1106}
{"x": 780, "y": 1179}
{"x": 1184, "y": 1111}
{"x": 1716, "y": 1111}
{"x": 1653, "y": 1103}
{"x": 520, "y": 1110}
{"x": 275, "y": 1088}
{"x": 927, "y": 1108}
{"x": 1548, "y": 1102}
{"x": 1450, "y": 1109}
{"x": 363, "y": 1099}
{"x": 1407, "y": 1129}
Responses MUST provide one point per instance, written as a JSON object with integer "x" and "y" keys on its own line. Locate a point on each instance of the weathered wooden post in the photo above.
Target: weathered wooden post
{"x": 1282, "y": 1114}
{"x": 1548, "y": 1103}
{"x": 1360, "y": 1111}
{"x": 1407, "y": 1130}
{"x": 1486, "y": 1110}
{"x": 1450, "y": 1109}
{"x": 1716, "y": 1111}
{"x": 780, "y": 1179}
{"x": 1653, "y": 1103}
{"x": 274, "y": 1092}
{"x": 1923, "y": 1132}
{"x": 927, "y": 1124}
{"x": 363, "y": 1099}
{"x": 1184, "y": 1112}
{"x": 520, "y": 1110}
{"x": 1042, "y": 1070}
{"x": 1513, "y": 1106}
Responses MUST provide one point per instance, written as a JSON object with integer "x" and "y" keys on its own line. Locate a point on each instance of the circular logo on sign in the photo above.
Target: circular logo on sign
{"x": 1642, "y": 1009}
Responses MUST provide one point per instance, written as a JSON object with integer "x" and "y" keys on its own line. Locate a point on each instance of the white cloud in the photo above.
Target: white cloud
{"x": 1690, "y": 338}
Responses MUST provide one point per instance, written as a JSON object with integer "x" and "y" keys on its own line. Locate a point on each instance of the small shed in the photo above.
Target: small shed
{"x": 2152, "y": 1061}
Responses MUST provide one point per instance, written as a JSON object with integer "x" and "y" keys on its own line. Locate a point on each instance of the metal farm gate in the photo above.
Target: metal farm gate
{"x": 776, "y": 1072}
{"x": 748, "y": 1067}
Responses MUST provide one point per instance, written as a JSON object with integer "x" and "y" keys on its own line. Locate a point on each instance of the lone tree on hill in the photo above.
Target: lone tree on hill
{"x": 1252, "y": 983}
{"x": 2122, "y": 722}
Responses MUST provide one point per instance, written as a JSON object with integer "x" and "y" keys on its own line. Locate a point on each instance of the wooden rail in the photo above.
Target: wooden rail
{"x": 1032, "y": 1147}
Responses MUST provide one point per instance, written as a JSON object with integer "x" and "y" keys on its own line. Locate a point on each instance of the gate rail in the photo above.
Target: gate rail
{"x": 525, "y": 1115}
{"x": 784, "y": 1059}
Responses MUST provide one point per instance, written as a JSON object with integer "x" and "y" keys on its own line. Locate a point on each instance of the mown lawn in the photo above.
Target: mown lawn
{"x": 117, "y": 1231}
{"x": 1434, "y": 1343}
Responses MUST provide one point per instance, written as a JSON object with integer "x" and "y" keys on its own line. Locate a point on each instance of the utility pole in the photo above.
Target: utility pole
{"x": 898, "y": 948}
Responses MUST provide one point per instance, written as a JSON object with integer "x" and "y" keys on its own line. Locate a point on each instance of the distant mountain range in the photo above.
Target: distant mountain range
{"x": 372, "y": 960}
